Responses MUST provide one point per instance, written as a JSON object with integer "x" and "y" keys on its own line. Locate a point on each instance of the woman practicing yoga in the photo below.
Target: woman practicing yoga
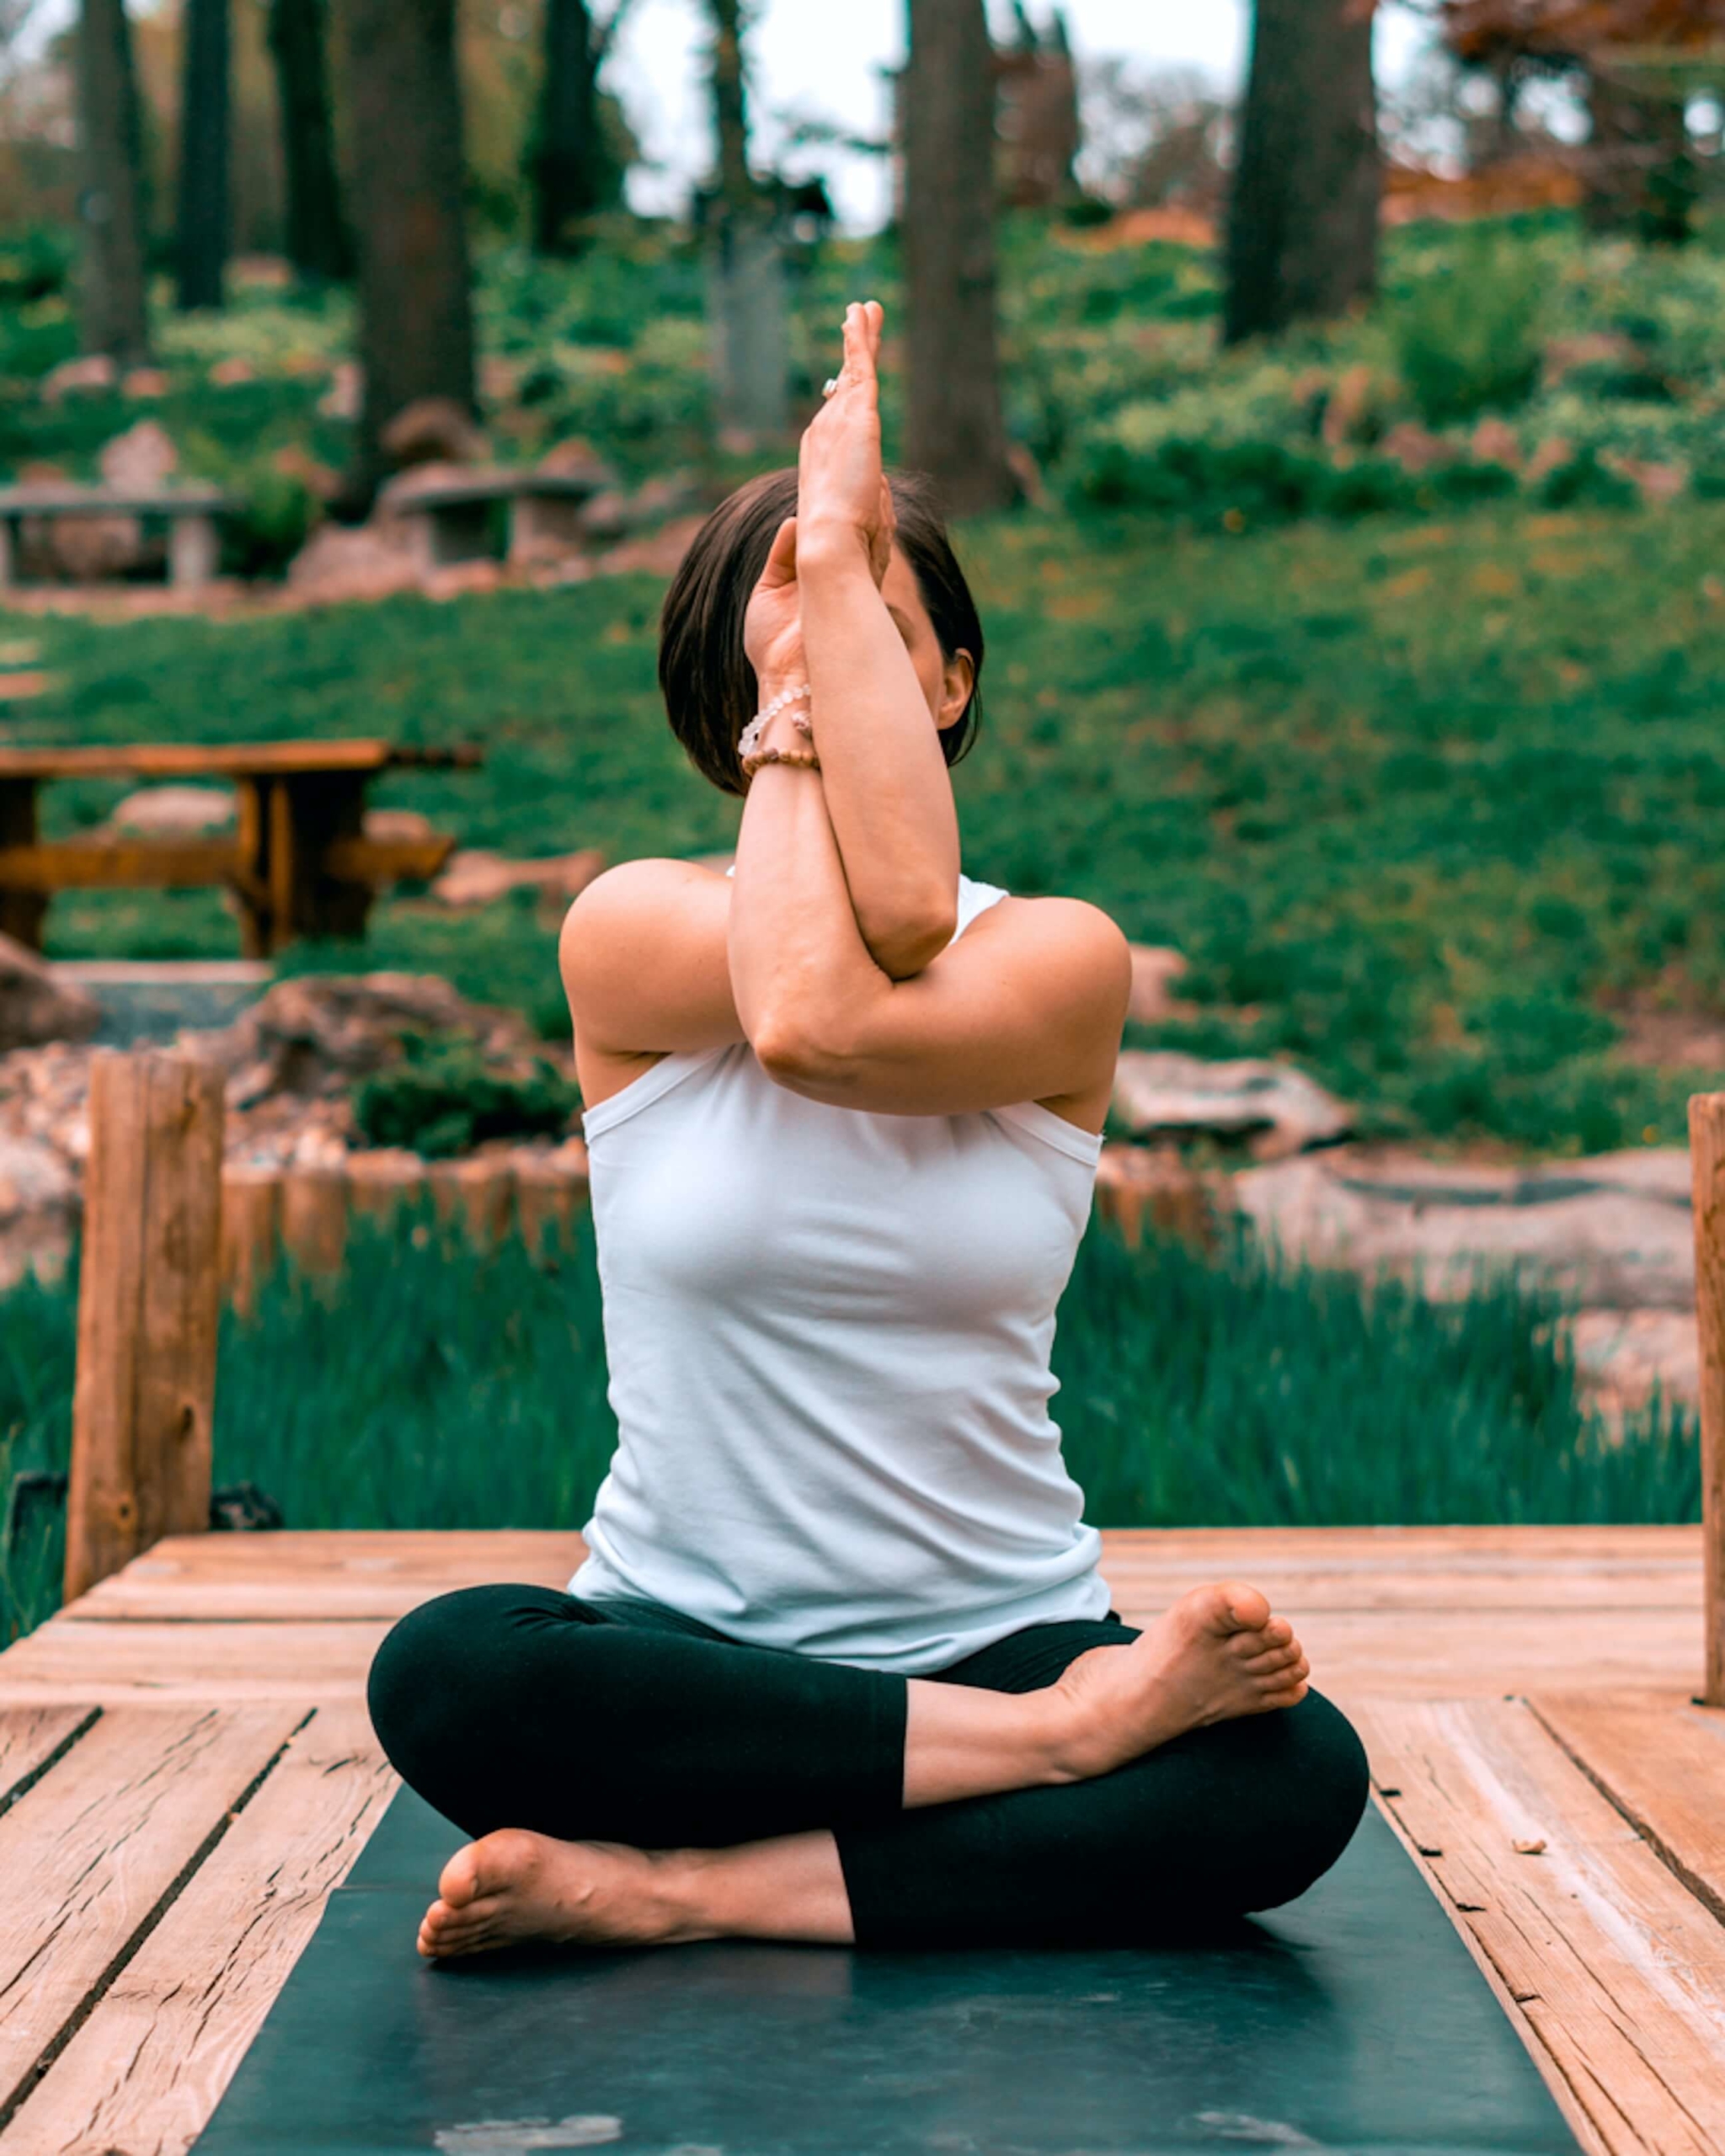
{"x": 840, "y": 1665}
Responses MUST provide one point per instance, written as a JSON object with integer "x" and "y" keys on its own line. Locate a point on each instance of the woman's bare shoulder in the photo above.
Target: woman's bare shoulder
{"x": 1069, "y": 931}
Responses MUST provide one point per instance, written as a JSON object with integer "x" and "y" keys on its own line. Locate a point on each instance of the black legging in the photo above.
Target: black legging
{"x": 519, "y": 1707}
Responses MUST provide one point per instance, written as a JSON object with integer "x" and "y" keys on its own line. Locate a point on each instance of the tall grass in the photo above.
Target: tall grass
{"x": 436, "y": 1386}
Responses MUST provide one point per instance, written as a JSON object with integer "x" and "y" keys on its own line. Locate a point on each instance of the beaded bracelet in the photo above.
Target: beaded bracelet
{"x": 799, "y": 692}
{"x": 803, "y": 758}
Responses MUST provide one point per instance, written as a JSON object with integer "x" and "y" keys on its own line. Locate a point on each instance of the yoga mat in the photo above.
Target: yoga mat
{"x": 1354, "y": 2020}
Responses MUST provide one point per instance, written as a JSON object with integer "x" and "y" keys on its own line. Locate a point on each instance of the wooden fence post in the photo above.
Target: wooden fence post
{"x": 1707, "y": 1150}
{"x": 149, "y": 1302}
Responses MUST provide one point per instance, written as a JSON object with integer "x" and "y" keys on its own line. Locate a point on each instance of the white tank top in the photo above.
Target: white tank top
{"x": 829, "y": 1335}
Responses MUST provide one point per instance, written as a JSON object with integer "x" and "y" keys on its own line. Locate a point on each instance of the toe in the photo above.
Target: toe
{"x": 1240, "y": 1608}
{"x": 459, "y": 1881}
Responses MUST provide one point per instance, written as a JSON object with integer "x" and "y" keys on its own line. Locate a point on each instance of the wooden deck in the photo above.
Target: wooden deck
{"x": 186, "y": 1770}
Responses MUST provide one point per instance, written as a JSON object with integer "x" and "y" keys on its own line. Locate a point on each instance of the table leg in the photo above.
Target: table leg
{"x": 22, "y": 913}
{"x": 193, "y": 552}
{"x": 283, "y": 870}
{"x": 331, "y": 805}
{"x": 250, "y": 892}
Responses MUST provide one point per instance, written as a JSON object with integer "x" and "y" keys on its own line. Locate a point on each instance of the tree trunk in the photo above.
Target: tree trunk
{"x": 317, "y": 242}
{"x": 1303, "y": 213}
{"x": 567, "y": 161}
{"x": 1641, "y": 174}
{"x": 203, "y": 235}
{"x": 415, "y": 318}
{"x": 730, "y": 110}
{"x": 111, "y": 310}
{"x": 953, "y": 428}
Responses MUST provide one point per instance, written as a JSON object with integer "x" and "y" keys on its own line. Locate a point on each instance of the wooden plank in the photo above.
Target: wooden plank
{"x": 232, "y": 759}
{"x": 435, "y": 1558}
{"x": 385, "y": 861}
{"x": 119, "y": 864}
{"x": 88, "y": 1854}
{"x": 149, "y": 2066}
{"x": 62, "y": 1662}
{"x": 30, "y": 1737}
{"x": 149, "y": 1304}
{"x": 1660, "y": 1758}
{"x": 1619, "y": 1971}
{"x": 1706, "y": 1153}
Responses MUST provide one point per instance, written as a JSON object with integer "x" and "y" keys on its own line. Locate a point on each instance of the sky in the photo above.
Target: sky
{"x": 824, "y": 58}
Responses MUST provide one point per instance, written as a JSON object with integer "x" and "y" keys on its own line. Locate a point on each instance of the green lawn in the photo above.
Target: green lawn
{"x": 1437, "y": 802}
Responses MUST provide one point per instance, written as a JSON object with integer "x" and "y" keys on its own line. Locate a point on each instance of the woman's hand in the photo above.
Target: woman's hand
{"x": 843, "y": 500}
{"x": 772, "y": 622}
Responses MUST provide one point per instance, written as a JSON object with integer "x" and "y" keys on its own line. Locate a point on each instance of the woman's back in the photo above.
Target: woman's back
{"x": 829, "y": 1335}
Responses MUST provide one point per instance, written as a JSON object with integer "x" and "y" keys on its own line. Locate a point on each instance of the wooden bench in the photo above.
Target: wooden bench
{"x": 191, "y": 512}
{"x": 450, "y": 519}
{"x": 298, "y": 860}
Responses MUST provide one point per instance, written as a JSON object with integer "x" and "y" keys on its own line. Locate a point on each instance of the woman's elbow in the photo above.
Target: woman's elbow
{"x": 912, "y": 939}
{"x": 790, "y": 1050}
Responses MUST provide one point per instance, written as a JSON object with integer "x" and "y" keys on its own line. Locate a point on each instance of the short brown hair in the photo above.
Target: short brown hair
{"x": 709, "y": 686}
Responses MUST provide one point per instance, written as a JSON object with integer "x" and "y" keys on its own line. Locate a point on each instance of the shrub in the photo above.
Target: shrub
{"x": 1467, "y": 335}
{"x": 444, "y": 1098}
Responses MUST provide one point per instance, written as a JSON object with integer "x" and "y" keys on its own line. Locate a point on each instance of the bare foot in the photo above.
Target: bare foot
{"x": 514, "y": 1887}
{"x": 1217, "y": 1653}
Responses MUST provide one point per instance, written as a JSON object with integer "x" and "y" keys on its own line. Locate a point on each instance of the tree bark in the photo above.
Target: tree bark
{"x": 318, "y": 244}
{"x": 730, "y": 109}
{"x": 1303, "y": 213}
{"x": 568, "y": 162}
{"x": 415, "y": 316}
{"x": 112, "y": 318}
{"x": 954, "y": 429}
{"x": 202, "y": 244}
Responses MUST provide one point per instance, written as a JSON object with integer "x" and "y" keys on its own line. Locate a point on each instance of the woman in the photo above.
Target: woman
{"x": 839, "y": 1666}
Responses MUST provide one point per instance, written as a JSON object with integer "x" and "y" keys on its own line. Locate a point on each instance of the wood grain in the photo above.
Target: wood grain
{"x": 230, "y": 759}
{"x": 147, "y": 2068}
{"x": 1706, "y": 1155}
{"x": 89, "y": 1853}
{"x": 1661, "y": 1760}
{"x": 1619, "y": 1971}
{"x": 62, "y": 1661}
{"x": 29, "y": 1736}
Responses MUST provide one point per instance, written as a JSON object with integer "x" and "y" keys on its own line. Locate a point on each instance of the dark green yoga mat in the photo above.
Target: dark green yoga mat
{"x": 1353, "y": 2021}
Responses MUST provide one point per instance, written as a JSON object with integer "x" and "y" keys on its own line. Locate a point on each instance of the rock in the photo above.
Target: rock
{"x": 89, "y": 549}
{"x": 313, "y": 1035}
{"x": 500, "y": 378}
{"x": 345, "y": 393}
{"x": 140, "y": 461}
{"x": 1625, "y": 1356}
{"x": 400, "y": 492}
{"x": 1415, "y": 449}
{"x": 433, "y": 430}
{"x": 606, "y": 514}
{"x": 457, "y": 579}
{"x": 1136, "y": 1184}
{"x": 1350, "y": 406}
{"x": 1271, "y": 1107}
{"x": 398, "y": 823}
{"x": 34, "y": 1006}
{"x": 1612, "y": 1233}
{"x": 175, "y": 811}
{"x": 1154, "y": 968}
{"x": 576, "y": 459}
{"x": 1495, "y": 441}
{"x": 1552, "y": 455}
{"x": 475, "y": 878}
{"x": 1655, "y": 483}
{"x": 39, "y": 1206}
{"x": 343, "y": 562}
{"x": 88, "y": 376}
{"x": 1593, "y": 348}
{"x": 661, "y": 553}
{"x": 145, "y": 383}
{"x": 232, "y": 373}
{"x": 662, "y": 496}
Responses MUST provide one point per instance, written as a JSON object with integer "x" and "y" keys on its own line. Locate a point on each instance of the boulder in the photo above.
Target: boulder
{"x": 1271, "y": 1107}
{"x": 343, "y": 562}
{"x": 1551, "y": 456}
{"x": 661, "y": 553}
{"x": 1136, "y": 1185}
{"x": 40, "y": 1207}
{"x": 144, "y": 384}
{"x": 577, "y": 459}
{"x": 181, "y": 812}
{"x": 140, "y": 461}
{"x": 1612, "y": 1233}
{"x": 475, "y": 878}
{"x": 232, "y": 373}
{"x": 293, "y": 461}
{"x": 84, "y": 549}
{"x": 433, "y": 430}
{"x": 1154, "y": 969}
{"x": 1415, "y": 449}
{"x": 314, "y": 1034}
{"x": 1495, "y": 441}
{"x": 1625, "y": 1356}
{"x": 35, "y": 1006}
{"x": 90, "y": 375}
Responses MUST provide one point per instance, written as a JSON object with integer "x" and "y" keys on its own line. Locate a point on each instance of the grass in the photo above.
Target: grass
{"x": 1433, "y": 807}
{"x": 438, "y": 1388}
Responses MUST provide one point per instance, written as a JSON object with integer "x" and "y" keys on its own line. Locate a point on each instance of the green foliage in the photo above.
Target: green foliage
{"x": 437, "y": 1387}
{"x": 444, "y": 1098}
{"x": 1466, "y": 334}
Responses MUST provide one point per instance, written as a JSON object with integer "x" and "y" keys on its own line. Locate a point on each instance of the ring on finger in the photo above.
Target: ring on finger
{"x": 830, "y": 385}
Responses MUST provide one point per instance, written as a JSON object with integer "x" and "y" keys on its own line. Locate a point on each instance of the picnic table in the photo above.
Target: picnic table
{"x": 299, "y": 860}
{"x": 191, "y": 512}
